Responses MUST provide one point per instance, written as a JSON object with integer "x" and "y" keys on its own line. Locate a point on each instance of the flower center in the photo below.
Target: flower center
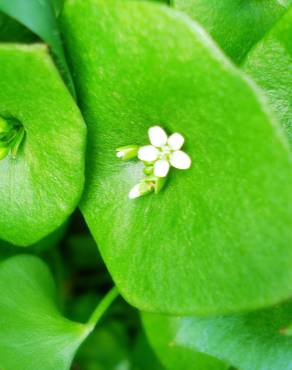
{"x": 165, "y": 152}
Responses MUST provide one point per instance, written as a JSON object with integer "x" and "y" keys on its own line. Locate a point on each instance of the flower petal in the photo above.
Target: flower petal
{"x": 180, "y": 160}
{"x": 175, "y": 141}
{"x": 157, "y": 136}
{"x": 161, "y": 168}
{"x": 148, "y": 153}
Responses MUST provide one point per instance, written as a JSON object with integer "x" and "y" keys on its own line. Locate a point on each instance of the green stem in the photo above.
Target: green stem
{"x": 102, "y": 307}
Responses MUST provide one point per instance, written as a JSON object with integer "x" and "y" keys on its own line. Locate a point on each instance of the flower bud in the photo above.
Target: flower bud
{"x": 140, "y": 189}
{"x": 127, "y": 152}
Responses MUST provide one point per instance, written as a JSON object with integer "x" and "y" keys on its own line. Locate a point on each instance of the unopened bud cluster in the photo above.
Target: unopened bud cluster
{"x": 11, "y": 136}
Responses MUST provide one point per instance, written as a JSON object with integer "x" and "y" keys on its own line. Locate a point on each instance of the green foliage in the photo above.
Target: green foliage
{"x": 108, "y": 348}
{"x": 270, "y": 65}
{"x": 34, "y": 335}
{"x": 58, "y": 6}
{"x": 41, "y": 187}
{"x": 12, "y": 31}
{"x": 117, "y": 340}
{"x": 250, "y": 341}
{"x": 40, "y": 248}
{"x": 193, "y": 237}
{"x": 40, "y": 18}
{"x": 162, "y": 332}
{"x": 105, "y": 349}
{"x": 211, "y": 244}
{"x": 235, "y": 24}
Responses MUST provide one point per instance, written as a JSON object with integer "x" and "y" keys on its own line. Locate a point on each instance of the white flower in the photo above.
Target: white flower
{"x": 158, "y": 157}
{"x": 164, "y": 152}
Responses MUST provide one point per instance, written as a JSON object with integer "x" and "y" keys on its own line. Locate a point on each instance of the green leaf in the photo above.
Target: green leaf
{"x": 162, "y": 331}
{"x": 58, "y": 6}
{"x": 249, "y": 341}
{"x": 235, "y": 24}
{"x": 218, "y": 237}
{"x": 270, "y": 65}
{"x": 12, "y": 31}
{"x": 39, "y": 17}
{"x": 42, "y": 186}
{"x": 34, "y": 334}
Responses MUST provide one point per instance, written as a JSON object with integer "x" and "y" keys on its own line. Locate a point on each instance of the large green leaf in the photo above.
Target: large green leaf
{"x": 250, "y": 341}
{"x": 162, "y": 331}
{"x": 270, "y": 64}
{"x": 235, "y": 24}
{"x": 41, "y": 186}
{"x": 40, "y": 18}
{"x": 218, "y": 237}
{"x": 33, "y": 333}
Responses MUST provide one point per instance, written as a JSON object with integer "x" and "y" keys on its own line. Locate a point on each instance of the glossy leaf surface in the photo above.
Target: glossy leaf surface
{"x": 33, "y": 333}
{"x": 161, "y": 332}
{"x": 41, "y": 187}
{"x": 249, "y": 341}
{"x": 235, "y": 24}
{"x": 270, "y": 65}
{"x": 217, "y": 238}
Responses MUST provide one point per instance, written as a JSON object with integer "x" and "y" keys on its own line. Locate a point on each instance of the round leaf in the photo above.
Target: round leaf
{"x": 218, "y": 237}
{"x": 270, "y": 64}
{"x": 235, "y": 24}
{"x": 41, "y": 187}
{"x": 162, "y": 331}
{"x": 33, "y": 333}
{"x": 249, "y": 342}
